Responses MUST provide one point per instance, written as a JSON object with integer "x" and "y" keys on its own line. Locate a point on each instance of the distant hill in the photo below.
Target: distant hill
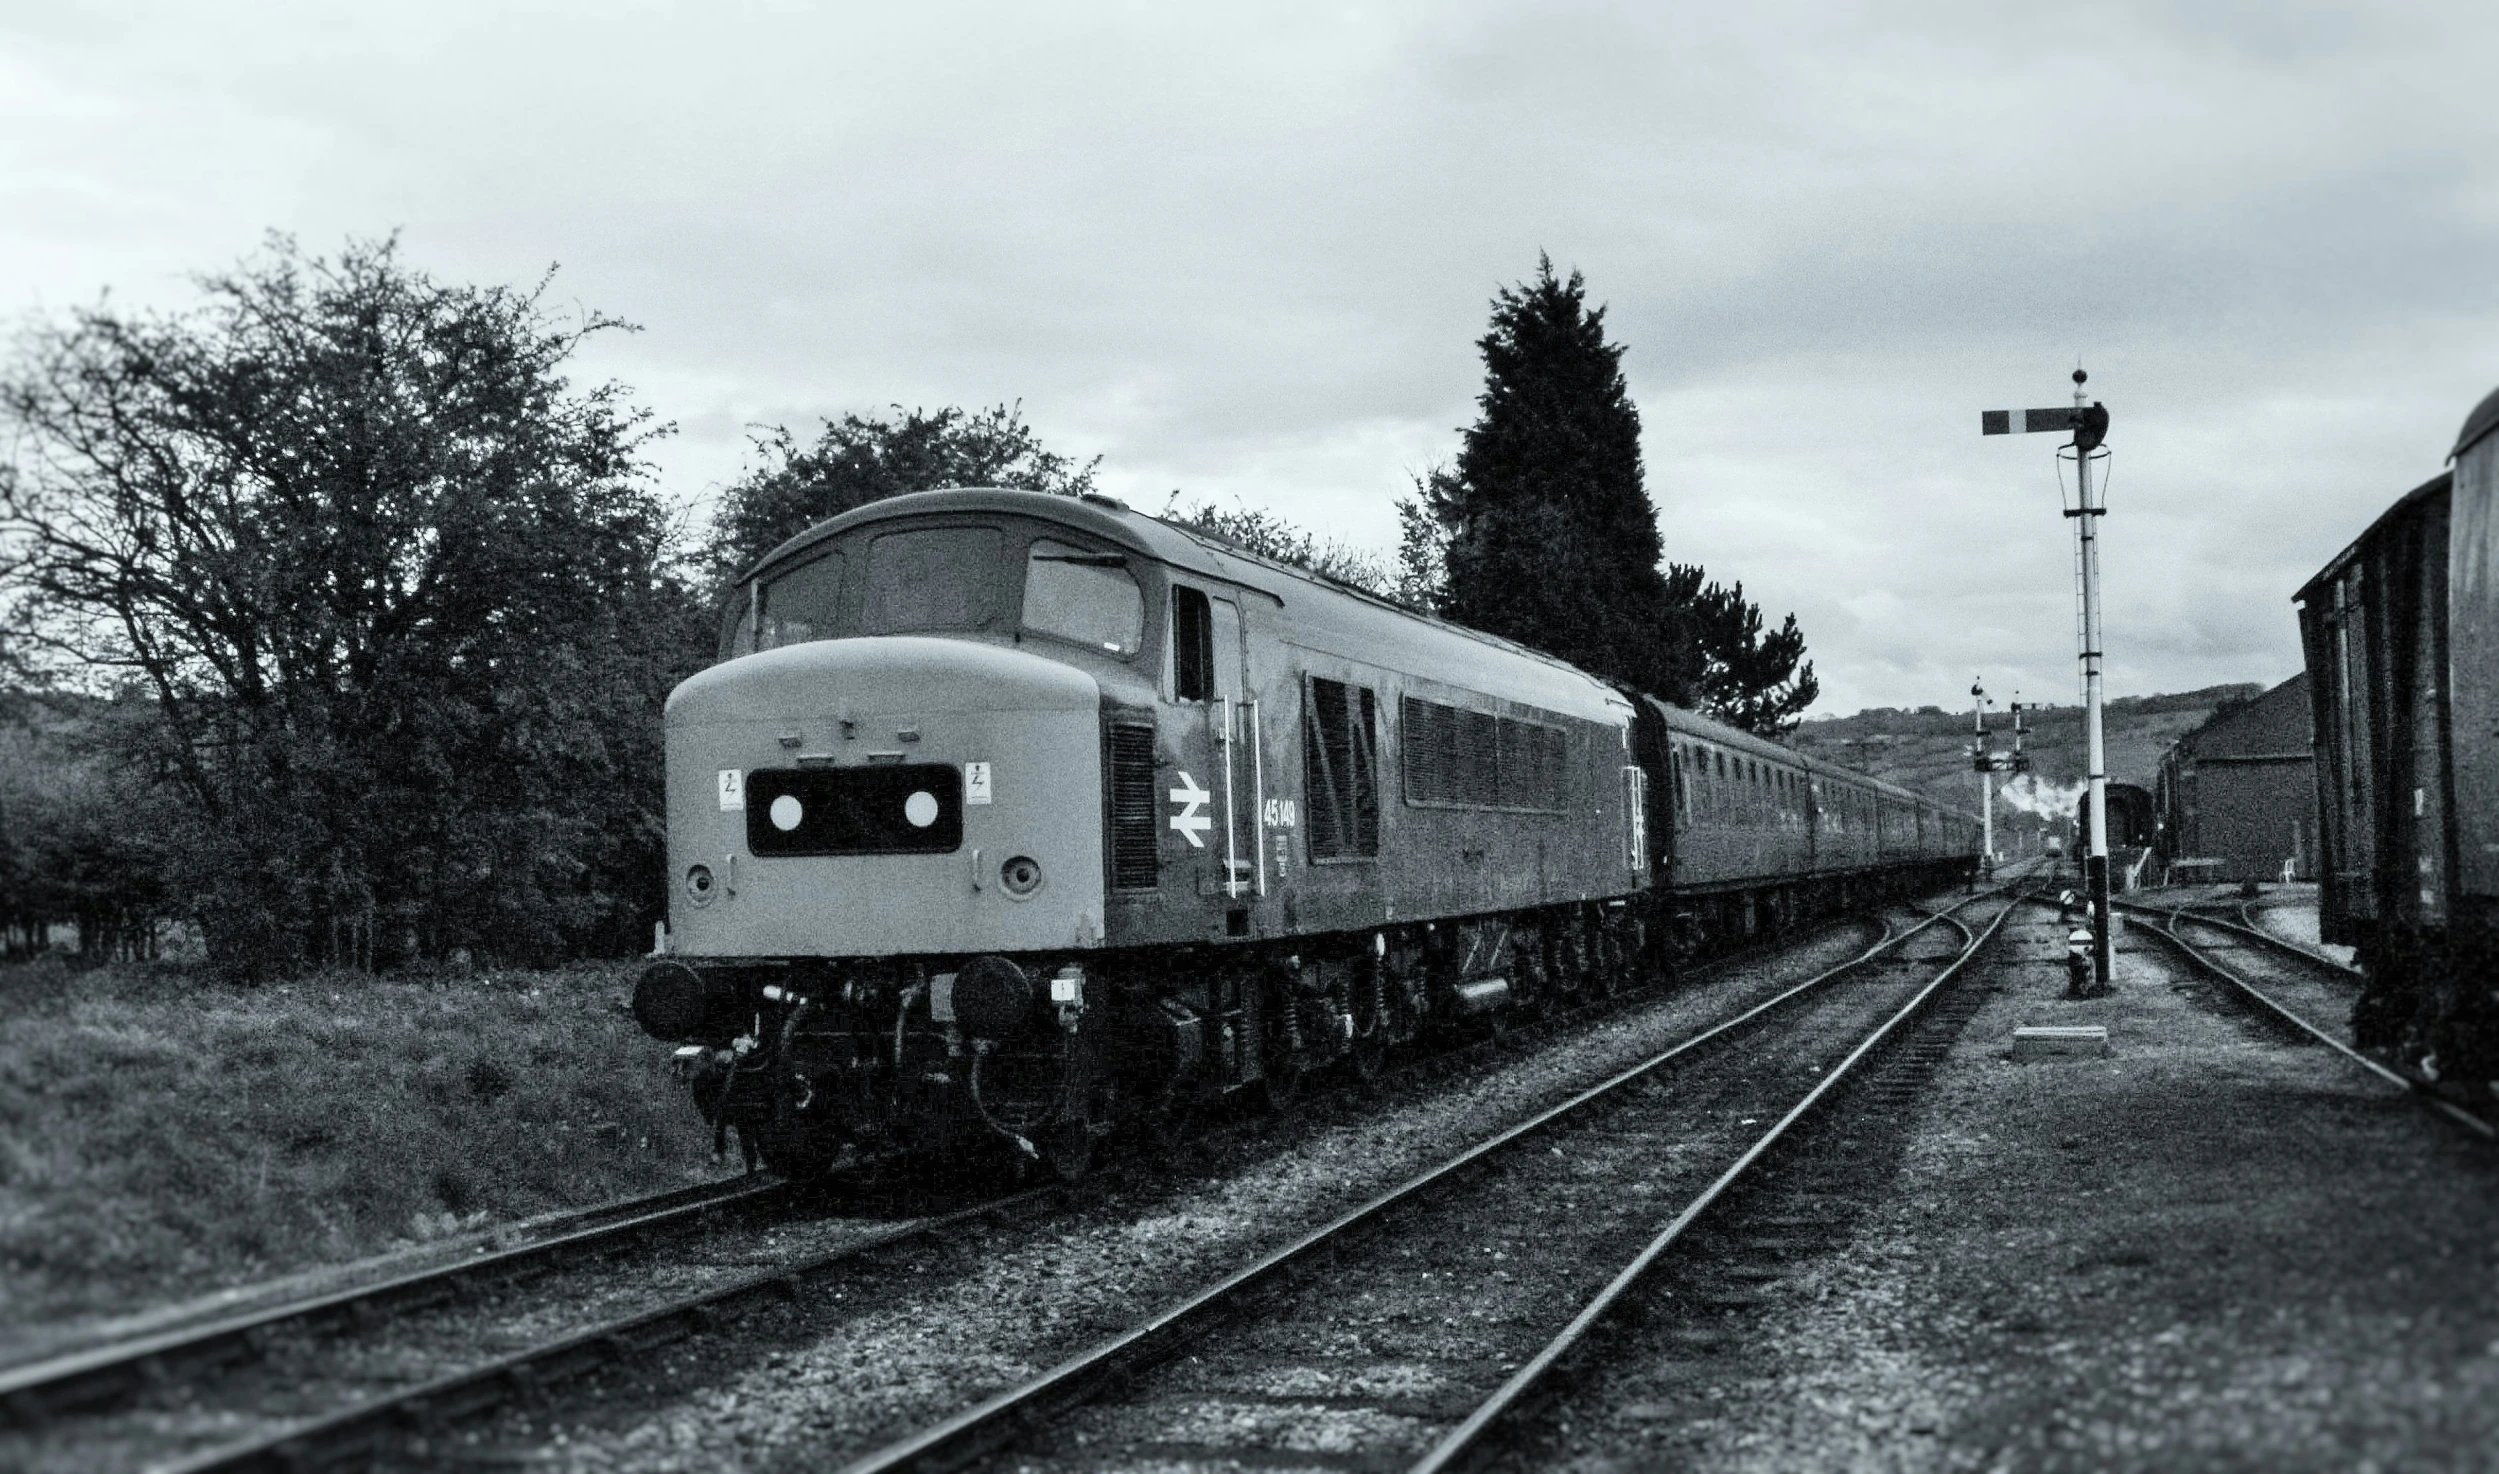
{"x": 1928, "y": 749}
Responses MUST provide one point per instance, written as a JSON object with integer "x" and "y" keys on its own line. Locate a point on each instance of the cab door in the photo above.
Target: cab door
{"x": 1212, "y": 812}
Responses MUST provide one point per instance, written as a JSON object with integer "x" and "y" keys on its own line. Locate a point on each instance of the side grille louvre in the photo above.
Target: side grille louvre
{"x": 1132, "y": 849}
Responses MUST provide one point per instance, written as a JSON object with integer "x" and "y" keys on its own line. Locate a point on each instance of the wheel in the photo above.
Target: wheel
{"x": 792, "y": 1151}
{"x": 1168, "y": 1123}
{"x": 1067, "y": 1150}
{"x": 1280, "y": 1087}
{"x": 1366, "y": 1059}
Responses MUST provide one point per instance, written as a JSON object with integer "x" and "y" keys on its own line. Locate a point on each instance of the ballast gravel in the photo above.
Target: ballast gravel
{"x": 2215, "y": 1249}
{"x": 937, "y": 1333}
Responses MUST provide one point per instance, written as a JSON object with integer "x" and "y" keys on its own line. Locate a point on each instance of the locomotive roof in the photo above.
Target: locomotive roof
{"x": 1212, "y": 557}
{"x": 1558, "y": 682}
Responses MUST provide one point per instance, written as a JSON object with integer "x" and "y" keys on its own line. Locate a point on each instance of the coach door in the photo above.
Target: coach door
{"x": 1213, "y": 799}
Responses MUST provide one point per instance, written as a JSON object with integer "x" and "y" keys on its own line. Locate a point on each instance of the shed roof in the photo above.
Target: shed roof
{"x": 2275, "y": 724}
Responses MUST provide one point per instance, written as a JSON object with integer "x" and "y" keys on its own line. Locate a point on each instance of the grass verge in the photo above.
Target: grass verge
{"x": 162, "y": 1136}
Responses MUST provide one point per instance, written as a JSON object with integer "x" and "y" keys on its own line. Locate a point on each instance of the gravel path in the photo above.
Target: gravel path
{"x": 2212, "y": 1250}
{"x": 950, "y": 1326}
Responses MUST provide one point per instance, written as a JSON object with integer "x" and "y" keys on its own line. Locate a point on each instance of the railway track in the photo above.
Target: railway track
{"x": 88, "y": 1377}
{"x": 2248, "y": 928}
{"x": 53, "y": 1404}
{"x": 1424, "y": 1345}
{"x": 410, "y": 1398}
{"x": 2280, "y": 993}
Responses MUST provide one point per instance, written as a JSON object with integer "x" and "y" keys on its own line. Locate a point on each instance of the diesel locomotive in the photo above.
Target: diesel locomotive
{"x": 1009, "y": 820}
{"x": 2401, "y": 637}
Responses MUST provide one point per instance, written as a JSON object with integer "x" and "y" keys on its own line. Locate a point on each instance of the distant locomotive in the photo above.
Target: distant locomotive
{"x": 1015, "y": 819}
{"x": 2401, "y": 635}
{"x": 2134, "y": 820}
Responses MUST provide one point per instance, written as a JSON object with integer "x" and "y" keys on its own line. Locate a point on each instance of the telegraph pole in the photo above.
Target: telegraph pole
{"x": 2089, "y": 424}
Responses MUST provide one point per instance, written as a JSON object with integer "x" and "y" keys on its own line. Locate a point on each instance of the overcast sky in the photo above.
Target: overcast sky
{"x": 1244, "y": 252}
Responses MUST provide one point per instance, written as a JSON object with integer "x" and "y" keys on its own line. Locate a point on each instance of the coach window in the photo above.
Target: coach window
{"x": 1086, "y": 597}
{"x": 800, "y": 605}
{"x": 1192, "y": 645}
{"x": 935, "y": 578}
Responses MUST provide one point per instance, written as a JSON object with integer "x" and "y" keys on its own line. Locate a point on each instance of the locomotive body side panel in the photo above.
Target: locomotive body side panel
{"x": 1392, "y": 770}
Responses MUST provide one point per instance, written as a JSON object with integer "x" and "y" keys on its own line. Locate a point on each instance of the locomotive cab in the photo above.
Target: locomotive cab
{"x": 886, "y": 823}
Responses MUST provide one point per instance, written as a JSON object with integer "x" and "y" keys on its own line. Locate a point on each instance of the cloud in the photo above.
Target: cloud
{"x": 1247, "y": 252}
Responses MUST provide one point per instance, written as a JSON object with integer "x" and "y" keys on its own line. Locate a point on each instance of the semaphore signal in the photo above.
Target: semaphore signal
{"x": 2089, "y": 424}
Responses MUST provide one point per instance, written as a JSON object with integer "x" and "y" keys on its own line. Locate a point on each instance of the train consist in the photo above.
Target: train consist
{"x": 2401, "y": 637}
{"x": 1008, "y": 820}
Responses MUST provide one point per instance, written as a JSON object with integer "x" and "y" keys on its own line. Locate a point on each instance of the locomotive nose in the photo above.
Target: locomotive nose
{"x": 884, "y": 796}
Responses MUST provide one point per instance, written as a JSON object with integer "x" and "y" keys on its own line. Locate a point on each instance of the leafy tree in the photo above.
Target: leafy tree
{"x": 399, "y": 591}
{"x": 1423, "y": 540}
{"x": 1270, "y": 536}
{"x": 1760, "y": 682}
{"x": 1543, "y": 530}
{"x": 68, "y": 851}
{"x": 859, "y": 459}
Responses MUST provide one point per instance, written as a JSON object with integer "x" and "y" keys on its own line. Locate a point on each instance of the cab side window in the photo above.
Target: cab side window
{"x": 1192, "y": 645}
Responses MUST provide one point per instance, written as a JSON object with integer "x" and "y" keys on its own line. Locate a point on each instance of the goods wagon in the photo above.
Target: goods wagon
{"x": 2401, "y": 638}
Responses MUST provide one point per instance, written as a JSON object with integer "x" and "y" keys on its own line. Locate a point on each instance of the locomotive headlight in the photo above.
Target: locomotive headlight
{"x": 786, "y": 812}
{"x": 1021, "y": 876}
{"x": 700, "y": 887}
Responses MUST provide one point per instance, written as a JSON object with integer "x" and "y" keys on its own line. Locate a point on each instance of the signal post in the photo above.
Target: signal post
{"x": 1988, "y": 764}
{"x": 2089, "y": 424}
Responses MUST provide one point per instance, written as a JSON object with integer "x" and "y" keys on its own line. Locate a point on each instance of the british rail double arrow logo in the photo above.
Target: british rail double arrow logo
{"x": 1191, "y": 824}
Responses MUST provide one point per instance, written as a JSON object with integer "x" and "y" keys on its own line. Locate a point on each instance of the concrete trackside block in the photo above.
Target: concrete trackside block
{"x": 2053, "y": 1041}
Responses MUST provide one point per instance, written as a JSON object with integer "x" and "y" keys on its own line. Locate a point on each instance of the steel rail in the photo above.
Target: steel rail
{"x": 2246, "y": 927}
{"x": 2417, "y": 1089}
{"x": 328, "y": 1439}
{"x": 998, "y": 1419}
{"x": 96, "y": 1374}
{"x": 1464, "y": 1440}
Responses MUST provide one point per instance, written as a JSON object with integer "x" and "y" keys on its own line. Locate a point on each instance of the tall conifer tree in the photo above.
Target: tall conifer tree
{"x": 1543, "y": 530}
{"x": 1552, "y": 540}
